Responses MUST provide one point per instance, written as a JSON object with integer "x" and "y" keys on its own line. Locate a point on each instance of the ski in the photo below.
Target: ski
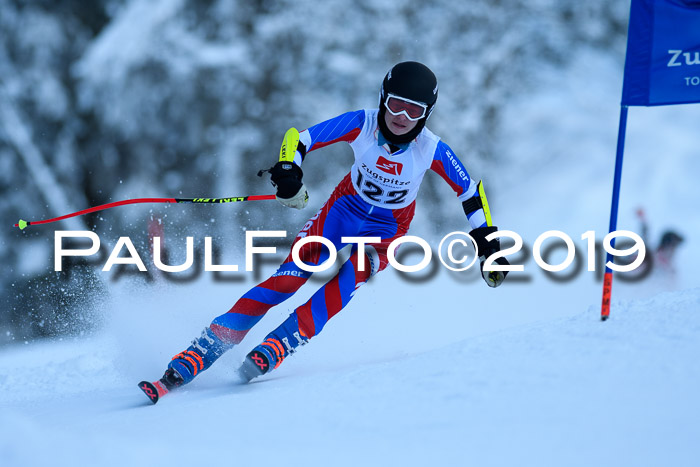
{"x": 154, "y": 390}
{"x": 255, "y": 364}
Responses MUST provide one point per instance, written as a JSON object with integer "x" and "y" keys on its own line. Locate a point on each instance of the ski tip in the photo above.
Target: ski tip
{"x": 22, "y": 224}
{"x": 150, "y": 390}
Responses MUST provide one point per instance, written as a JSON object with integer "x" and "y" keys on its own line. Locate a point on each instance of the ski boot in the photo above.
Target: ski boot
{"x": 270, "y": 354}
{"x": 183, "y": 367}
{"x": 199, "y": 356}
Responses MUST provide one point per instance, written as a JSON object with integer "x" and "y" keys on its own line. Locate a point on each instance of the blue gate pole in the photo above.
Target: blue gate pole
{"x": 607, "y": 280}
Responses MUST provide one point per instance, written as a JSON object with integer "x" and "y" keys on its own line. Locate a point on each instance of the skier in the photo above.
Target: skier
{"x": 393, "y": 150}
{"x": 665, "y": 252}
{"x": 659, "y": 261}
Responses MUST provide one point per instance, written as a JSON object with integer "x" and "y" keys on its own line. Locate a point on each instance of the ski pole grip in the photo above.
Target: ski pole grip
{"x": 484, "y": 203}
{"x": 289, "y": 145}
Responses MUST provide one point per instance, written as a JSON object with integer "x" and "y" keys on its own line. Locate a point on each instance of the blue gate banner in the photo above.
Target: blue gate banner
{"x": 662, "y": 66}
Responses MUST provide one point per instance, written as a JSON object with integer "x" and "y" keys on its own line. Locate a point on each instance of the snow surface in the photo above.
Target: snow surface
{"x": 564, "y": 391}
{"x": 443, "y": 371}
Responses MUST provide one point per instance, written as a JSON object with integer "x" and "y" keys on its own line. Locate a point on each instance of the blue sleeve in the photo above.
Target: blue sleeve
{"x": 450, "y": 168}
{"x": 344, "y": 127}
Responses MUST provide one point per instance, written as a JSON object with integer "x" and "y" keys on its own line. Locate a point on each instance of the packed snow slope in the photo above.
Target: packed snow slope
{"x": 567, "y": 391}
{"x": 438, "y": 371}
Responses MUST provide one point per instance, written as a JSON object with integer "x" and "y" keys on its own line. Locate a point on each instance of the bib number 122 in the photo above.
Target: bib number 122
{"x": 374, "y": 192}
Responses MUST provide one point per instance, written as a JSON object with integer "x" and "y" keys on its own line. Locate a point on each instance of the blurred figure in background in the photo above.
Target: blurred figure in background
{"x": 659, "y": 266}
{"x": 664, "y": 253}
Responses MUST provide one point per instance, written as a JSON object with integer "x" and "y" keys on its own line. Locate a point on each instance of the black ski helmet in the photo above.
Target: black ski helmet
{"x": 410, "y": 80}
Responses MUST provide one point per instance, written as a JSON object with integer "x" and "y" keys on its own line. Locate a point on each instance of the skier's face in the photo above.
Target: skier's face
{"x": 398, "y": 124}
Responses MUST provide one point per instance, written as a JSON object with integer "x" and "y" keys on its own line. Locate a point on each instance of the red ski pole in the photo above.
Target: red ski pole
{"x": 22, "y": 224}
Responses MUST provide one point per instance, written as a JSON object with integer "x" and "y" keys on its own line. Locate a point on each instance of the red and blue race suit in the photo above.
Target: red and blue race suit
{"x": 376, "y": 199}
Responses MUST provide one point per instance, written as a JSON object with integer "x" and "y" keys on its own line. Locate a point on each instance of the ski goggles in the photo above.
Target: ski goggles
{"x": 412, "y": 110}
